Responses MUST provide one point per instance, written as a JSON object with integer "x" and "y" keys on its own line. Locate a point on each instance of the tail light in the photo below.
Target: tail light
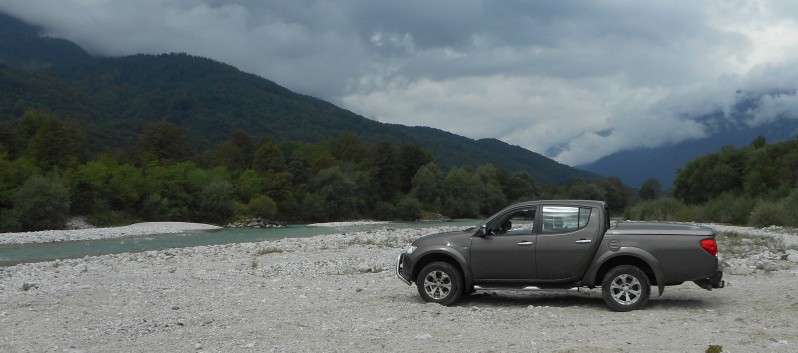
{"x": 710, "y": 246}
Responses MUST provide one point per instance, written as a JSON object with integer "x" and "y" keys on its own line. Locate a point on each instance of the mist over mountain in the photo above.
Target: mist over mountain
{"x": 738, "y": 127}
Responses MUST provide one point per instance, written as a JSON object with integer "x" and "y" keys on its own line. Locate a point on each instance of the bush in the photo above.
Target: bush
{"x": 384, "y": 211}
{"x": 408, "y": 209}
{"x": 109, "y": 218}
{"x": 8, "y": 221}
{"x": 42, "y": 203}
{"x": 728, "y": 209}
{"x": 665, "y": 209}
{"x": 768, "y": 214}
{"x": 791, "y": 207}
{"x": 155, "y": 208}
{"x": 262, "y": 206}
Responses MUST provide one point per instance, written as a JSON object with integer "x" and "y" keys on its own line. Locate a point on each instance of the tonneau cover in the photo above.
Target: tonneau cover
{"x": 652, "y": 228}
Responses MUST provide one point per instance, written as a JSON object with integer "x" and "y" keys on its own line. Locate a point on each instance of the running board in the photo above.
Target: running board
{"x": 529, "y": 289}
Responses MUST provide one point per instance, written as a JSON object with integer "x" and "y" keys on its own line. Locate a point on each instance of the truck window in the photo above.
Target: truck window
{"x": 561, "y": 219}
{"x": 521, "y": 222}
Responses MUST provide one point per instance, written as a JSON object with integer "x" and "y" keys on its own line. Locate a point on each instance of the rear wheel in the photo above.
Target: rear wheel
{"x": 626, "y": 288}
{"x": 440, "y": 282}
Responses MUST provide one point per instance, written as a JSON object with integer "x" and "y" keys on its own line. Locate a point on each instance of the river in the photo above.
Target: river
{"x": 23, "y": 253}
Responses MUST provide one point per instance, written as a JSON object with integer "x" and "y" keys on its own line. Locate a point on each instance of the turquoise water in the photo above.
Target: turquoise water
{"x": 15, "y": 254}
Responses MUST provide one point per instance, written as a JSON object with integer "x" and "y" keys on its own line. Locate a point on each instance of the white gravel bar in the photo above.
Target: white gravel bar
{"x": 339, "y": 293}
{"x": 148, "y": 228}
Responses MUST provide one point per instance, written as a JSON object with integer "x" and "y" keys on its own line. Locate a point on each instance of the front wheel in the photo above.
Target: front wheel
{"x": 440, "y": 282}
{"x": 625, "y": 288}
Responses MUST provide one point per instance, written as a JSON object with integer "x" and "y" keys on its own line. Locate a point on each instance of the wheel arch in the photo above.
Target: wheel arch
{"x": 639, "y": 258}
{"x": 452, "y": 257}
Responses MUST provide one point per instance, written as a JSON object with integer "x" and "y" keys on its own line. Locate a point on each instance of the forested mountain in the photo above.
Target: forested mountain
{"x": 117, "y": 97}
{"x": 754, "y": 185}
{"x": 22, "y": 46}
{"x": 634, "y": 167}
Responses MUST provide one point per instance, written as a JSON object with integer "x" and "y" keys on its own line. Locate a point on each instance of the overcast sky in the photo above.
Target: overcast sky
{"x": 575, "y": 80}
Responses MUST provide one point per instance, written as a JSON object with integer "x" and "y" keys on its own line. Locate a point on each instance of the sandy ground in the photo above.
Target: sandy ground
{"x": 338, "y": 293}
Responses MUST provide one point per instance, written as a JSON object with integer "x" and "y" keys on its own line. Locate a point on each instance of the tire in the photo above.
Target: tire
{"x": 625, "y": 288}
{"x": 440, "y": 282}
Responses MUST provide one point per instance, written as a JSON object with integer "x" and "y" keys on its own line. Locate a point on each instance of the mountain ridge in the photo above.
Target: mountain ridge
{"x": 116, "y": 97}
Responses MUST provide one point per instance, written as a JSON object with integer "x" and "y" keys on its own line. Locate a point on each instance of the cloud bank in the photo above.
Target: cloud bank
{"x": 573, "y": 80}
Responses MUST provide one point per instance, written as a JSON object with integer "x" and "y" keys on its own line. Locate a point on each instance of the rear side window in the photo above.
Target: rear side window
{"x": 561, "y": 219}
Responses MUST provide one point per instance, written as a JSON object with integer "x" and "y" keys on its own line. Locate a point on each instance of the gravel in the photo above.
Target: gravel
{"x": 53, "y": 236}
{"x": 338, "y": 293}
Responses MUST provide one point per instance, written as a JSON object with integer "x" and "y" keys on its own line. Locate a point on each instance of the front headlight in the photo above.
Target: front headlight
{"x": 410, "y": 249}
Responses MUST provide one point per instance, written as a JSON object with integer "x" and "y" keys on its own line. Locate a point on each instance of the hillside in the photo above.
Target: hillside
{"x": 662, "y": 163}
{"x": 117, "y": 97}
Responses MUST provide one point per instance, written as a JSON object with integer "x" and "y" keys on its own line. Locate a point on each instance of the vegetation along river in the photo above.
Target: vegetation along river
{"x": 22, "y": 253}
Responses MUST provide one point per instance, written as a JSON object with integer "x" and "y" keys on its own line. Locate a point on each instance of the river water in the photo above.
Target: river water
{"x": 15, "y": 254}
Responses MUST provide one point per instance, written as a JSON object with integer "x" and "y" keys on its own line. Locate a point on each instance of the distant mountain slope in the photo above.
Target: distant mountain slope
{"x": 117, "y": 97}
{"x": 633, "y": 167}
{"x": 22, "y": 46}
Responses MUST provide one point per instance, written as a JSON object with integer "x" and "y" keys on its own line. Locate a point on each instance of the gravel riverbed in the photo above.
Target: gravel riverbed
{"x": 338, "y": 293}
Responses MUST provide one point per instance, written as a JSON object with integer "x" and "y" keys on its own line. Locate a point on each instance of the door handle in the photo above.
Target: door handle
{"x": 525, "y": 243}
{"x": 583, "y": 241}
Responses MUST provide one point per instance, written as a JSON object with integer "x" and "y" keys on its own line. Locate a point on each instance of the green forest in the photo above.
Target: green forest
{"x": 48, "y": 175}
{"x": 756, "y": 185}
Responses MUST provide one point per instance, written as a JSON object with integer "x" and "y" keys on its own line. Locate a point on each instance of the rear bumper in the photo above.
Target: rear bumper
{"x": 716, "y": 281}
{"x": 400, "y": 270}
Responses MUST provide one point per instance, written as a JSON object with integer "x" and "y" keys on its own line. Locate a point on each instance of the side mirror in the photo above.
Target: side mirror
{"x": 481, "y": 231}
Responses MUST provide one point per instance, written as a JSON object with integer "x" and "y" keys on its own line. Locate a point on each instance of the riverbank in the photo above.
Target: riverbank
{"x": 338, "y": 293}
{"x": 147, "y": 228}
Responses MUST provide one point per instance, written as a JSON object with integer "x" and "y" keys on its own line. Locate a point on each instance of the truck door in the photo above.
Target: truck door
{"x": 506, "y": 253}
{"x": 567, "y": 241}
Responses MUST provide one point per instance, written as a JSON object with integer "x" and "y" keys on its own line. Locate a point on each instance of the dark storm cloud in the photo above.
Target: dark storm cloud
{"x": 539, "y": 74}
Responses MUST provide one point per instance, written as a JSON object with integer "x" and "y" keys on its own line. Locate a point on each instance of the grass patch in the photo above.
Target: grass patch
{"x": 270, "y": 250}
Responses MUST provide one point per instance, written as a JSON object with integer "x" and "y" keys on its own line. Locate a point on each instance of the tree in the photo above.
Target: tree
{"x": 461, "y": 194}
{"x": 615, "y": 192}
{"x": 384, "y": 163}
{"x": 427, "y": 186}
{"x": 521, "y": 187}
{"x": 215, "y": 202}
{"x": 408, "y": 209}
{"x": 41, "y": 204}
{"x": 650, "y": 190}
{"x": 235, "y": 154}
{"x": 262, "y": 206}
{"x": 491, "y": 196}
{"x": 348, "y": 147}
{"x": 333, "y": 192}
{"x": 52, "y": 141}
{"x": 164, "y": 141}
{"x": 411, "y": 158}
{"x": 268, "y": 157}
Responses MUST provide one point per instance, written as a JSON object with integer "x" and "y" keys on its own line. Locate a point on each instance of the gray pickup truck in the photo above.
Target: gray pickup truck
{"x": 561, "y": 244}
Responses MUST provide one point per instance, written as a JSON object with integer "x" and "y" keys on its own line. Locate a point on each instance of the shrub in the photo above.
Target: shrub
{"x": 408, "y": 209}
{"x": 791, "y": 207}
{"x": 42, "y": 203}
{"x": 109, "y": 218}
{"x": 270, "y": 250}
{"x": 768, "y": 214}
{"x": 728, "y": 209}
{"x": 384, "y": 210}
{"x": 262, "y": 206}
{"x": 664, "y": 209}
